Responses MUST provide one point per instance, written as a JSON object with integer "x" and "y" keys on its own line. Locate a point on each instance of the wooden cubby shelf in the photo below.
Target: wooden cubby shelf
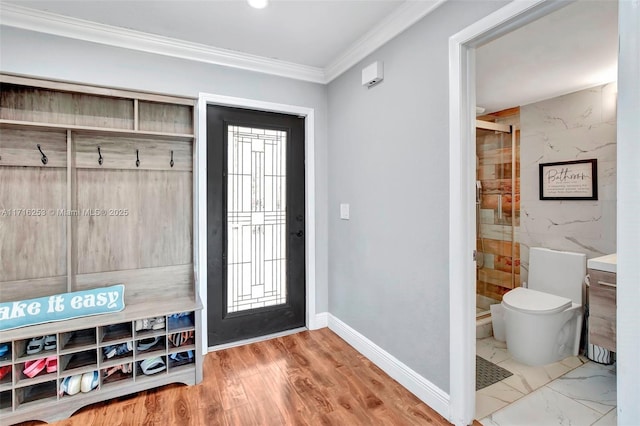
{"x": 69, "y": 151}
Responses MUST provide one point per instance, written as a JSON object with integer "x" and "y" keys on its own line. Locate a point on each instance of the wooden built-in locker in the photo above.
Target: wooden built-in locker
{"x": 96, "y": 189}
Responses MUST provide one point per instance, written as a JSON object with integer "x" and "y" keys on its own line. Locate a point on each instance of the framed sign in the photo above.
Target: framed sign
{"x": 569, "y": 180}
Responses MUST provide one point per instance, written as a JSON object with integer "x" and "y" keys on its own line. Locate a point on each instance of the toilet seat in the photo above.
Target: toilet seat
{"x": 535, "y": 302}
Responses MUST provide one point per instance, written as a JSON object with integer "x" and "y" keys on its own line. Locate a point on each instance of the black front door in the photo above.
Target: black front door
{"x": 255, "y": 223}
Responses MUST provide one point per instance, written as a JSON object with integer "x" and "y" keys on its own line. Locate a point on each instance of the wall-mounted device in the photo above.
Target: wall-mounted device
{"x": 373, "y": 74}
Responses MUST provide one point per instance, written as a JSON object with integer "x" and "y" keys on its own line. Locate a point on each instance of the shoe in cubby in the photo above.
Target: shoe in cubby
{"x": 151, "y": 344}
{"x": 180, "y": 339}
{"x": 181, "y": 358}
{"x": 150, "y": 324}
{"x": 5, "y": 352}
{"x": 179, "y": 321}
{"x": 117, "y": 351}
{"x": 117, "y": 372}
{"x": 151, "y": 366}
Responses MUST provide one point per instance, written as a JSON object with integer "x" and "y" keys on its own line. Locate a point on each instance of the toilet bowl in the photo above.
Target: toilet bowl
{"x": 543, "y": 322}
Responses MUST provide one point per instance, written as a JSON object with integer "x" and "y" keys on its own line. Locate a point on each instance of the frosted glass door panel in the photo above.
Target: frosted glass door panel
{"x": 256, "y": 218}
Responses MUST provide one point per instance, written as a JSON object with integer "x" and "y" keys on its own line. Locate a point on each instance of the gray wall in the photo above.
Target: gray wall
{"x": 576, "y": 126}
{"x": 40, "y": 55}
{"x": 388, "y": 156}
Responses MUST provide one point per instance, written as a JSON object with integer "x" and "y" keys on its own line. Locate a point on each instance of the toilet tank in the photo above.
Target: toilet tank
{"x": 557, "y": 272}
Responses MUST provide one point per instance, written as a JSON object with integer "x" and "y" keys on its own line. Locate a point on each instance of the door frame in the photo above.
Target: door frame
{"x": 200, "y": 194}
{"x": 462, "y": 164}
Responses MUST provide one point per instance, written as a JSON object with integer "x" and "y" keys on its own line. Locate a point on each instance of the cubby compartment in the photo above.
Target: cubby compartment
{"x": 38, "y": 393}
{"x": 78, "y": 362}
{"x": 6, "y": 376}
{"x": 165, "y": 118}
{"x": 5, "y": 353}
{"x": 41, "y": 105}
{"x": 152, "y": 366}
{"x": 35, "y": 370}
{"x": 117, "y": 353}
{"x": 150, "y": 326}
{"x": 116, "y": 332}
{"x": 116, "y": 373}
{"x": 179, "y": 359}
{"x": 181, "y": 339}
{"x": 5, "y": 401}
{"x": 77, "y": 340}
{"x": 151, "y": 345}
{"x": 182, "y": 321}
{"x": 36, "y": 347}
{"x": 79, "y": 384}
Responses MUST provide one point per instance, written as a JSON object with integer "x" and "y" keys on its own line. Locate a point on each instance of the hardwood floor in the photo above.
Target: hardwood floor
{"x": 309, "y": 378}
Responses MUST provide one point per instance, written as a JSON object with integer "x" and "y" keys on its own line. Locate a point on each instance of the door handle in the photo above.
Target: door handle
{"x": 298, "y": 234}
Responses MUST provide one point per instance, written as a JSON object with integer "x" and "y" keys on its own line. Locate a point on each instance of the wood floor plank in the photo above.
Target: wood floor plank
{"x": 311, "y": 378}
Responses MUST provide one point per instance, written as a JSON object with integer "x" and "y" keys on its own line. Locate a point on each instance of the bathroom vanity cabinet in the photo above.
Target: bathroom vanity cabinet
{"x": 602, "y": 302}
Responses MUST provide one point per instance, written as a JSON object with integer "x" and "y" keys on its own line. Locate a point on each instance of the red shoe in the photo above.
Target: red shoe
{"x": 4, "y": 371}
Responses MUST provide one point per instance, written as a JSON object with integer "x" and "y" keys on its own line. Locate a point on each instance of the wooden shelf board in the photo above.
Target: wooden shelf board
{"x": 40, "y": 378}
{"x": 96, "y": 130}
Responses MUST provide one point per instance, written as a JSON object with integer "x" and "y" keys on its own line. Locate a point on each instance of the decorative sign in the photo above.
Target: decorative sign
{"x": 61, "y": 307}
{"x": 569, "y": 180}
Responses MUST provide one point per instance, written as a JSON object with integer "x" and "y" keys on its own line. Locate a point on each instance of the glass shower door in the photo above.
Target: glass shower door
{"x": 497, "y": 214}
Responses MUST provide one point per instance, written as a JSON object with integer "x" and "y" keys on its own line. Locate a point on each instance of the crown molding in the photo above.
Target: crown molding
{"x": 399, "y": 20}
{"x": 402, "y": 18}
{"x": 50, "y": 23}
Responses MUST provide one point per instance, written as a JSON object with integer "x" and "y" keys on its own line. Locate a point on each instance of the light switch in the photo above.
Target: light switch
{"x": 344, "y": 211}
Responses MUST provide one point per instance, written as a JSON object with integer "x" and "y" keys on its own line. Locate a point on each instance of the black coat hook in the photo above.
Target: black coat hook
{"x": 99, "y": 156}
{"x": 137, "y": 159}
{"x": 44, "y": 159}
{"x": 171, "y": 162}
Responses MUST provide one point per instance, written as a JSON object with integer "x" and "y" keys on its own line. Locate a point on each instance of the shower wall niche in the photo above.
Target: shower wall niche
{"x": 498, "y": 207}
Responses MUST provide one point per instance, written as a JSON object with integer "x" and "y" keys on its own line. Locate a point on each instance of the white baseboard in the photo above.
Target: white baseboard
{"x": 321, "y": 321}
{"x": 426, "y": 391}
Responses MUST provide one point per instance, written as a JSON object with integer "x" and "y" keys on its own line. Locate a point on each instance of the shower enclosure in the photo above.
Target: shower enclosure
{"x": 497, "y": 211}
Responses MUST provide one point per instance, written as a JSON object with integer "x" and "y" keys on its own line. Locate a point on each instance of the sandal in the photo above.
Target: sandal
{"x": 35, "y": 345}
{"x": 150, "y": 324}
{"x": 179, "y": 339}
{"x": 182, "y": 356}
{"x": 146, "y": 344}
{"x": 113, "y": 350}
{"x": 52, "y": 364}
{"x": 152, "y": 366}
{"x": 50, "y": 342}
{"x": 33, "y": 368}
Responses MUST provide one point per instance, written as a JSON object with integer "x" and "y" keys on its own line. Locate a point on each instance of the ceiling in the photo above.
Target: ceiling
{"x": 316, "y": 40}
{"x": 310, "y": 33}
{"x": 574, "y": 48}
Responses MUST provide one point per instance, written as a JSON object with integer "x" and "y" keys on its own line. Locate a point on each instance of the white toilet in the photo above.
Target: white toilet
{"x": 543, "y": 322}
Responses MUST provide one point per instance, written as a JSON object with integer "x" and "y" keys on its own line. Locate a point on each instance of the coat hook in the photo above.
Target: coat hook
{"x": 171, "y": 162}
{"x": 99, "y": 156}
{"x": 44, "y": 160}
{"x": 137, "y": 159}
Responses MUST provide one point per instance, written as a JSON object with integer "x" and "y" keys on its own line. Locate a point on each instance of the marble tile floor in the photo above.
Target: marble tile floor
{"x": 574, "y": 391}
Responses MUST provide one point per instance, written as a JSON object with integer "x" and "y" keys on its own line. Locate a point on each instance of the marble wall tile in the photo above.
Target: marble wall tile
{"x": 579, "y": 109}
{"x": 579, "y": 125}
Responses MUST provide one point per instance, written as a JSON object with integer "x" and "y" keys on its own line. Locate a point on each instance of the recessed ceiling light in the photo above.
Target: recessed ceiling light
{"x": 258, "y": 4}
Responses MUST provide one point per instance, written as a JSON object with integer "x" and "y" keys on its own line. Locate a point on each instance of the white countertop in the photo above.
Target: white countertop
{"x": 606, "y": 263}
